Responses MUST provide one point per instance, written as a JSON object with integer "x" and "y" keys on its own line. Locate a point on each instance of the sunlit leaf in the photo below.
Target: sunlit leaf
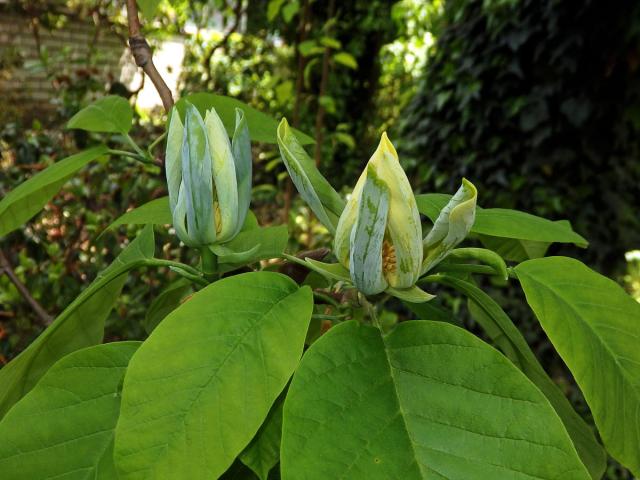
{"x": 204, "y": 381}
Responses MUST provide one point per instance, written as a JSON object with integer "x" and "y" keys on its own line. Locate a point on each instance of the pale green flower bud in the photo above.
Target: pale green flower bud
{"x": 208, "y": 177}
{"x": 379, "y": 235}
{"x": 452, "y": 225}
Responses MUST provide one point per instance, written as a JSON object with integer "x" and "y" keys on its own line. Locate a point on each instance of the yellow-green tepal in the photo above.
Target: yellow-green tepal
{"x": 379, "y": 236}
{"x": 208, "y": 177}
{"x": 452, "y": 225}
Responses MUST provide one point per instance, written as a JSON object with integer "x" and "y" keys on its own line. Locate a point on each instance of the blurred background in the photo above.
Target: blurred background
{"x": 536, "y": 101}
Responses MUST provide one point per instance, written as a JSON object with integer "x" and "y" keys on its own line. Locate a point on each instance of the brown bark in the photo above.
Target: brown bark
{"x": 5, "y": 266}
{"x": 143, "y": 55}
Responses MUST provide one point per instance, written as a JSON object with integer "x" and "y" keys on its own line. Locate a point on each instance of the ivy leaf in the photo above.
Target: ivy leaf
{"x": 65, "y": 426}
{"x": 110, "y": 114}
{"x": 205, "y": 380}
{"x": 429, "y": 400}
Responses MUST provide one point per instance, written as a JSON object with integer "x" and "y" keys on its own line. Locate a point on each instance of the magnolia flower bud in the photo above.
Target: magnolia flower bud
{"x": 208, "y": 177}
{"x": 379, "y": 236}
{"x": 452, "y": 225}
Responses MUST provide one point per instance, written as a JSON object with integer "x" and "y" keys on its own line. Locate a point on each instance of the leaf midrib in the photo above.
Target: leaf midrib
{"x": 214, "y": 374}
{"x": 590, "y": 328}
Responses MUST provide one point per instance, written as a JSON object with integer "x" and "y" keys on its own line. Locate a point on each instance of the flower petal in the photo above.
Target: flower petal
{"x": 367, "y": 236}
{"x": 196, "y": 177}
{"x": 403, "y": 225}
{"x": 241, "y": 148}
{"x": 452, "y": 225}
{"x": 224, "y": 176}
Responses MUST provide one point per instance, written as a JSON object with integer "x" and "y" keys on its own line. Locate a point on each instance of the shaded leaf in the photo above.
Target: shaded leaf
{"x": 595, "y": 327}
{"x": 80, "y": 325}
{"x": 263, "y": 453}
{"x": 28, "y": 198}
{"x": 262, "y": 127}
{"x": 110, "y": 114}
{"x": 65, "y": 426}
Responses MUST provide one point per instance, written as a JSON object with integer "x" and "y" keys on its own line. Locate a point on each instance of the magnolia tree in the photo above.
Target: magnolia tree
{"x": 250, "y": 373}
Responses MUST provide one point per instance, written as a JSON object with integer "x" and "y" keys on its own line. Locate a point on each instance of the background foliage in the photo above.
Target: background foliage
{"x": 536, "y": 101}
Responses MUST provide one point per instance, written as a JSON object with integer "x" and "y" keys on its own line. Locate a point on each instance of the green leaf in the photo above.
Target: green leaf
{"x": 513, "y": 249}
{"x": 165, "y": 303}
{"x": 262, "y": 128}
{"x": 595, "y": 327}
{"x": 482, "y": 255}
{"x": 331, "y": 42}
{"x": 80, "y": 325}
{"x": 270, "y": 243}
{"x": 110, "y": 114}
{"x": 500, "y": 222}
{"x": 28, "y": 198}
{"x": 64, "y": 427}
{"x": 155, "y": 212}
{"x": 263, "y": 453}
{"x": 289, "y": 10}
{"x": 412, "y": 294}
{"x": 346, "y": 59}
{"x": 198, "y": 389}
{"x": 309, "y": 48}
{"x": 273, "y": 8}
{"x": 506, "y": 336}
{"x": 148, "y": 7}
{"x": 330, "y": 271}
{"x": 325, "y": 202}
{"x": 429, "y": 400}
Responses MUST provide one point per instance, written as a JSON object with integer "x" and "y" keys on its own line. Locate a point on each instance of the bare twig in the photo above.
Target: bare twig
{"x": 5, "y": 267}
{"x": 143, "y": 55}
{"x": 208, "y": 59}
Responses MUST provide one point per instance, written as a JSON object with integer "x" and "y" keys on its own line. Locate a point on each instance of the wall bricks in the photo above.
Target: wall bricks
{"x": 67, "y": 50}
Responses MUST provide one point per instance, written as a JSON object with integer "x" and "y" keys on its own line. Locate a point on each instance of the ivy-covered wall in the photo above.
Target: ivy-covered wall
{"x": 538, "y": 103}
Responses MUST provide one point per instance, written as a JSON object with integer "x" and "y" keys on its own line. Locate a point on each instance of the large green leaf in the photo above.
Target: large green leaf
{"x": 80, "y": 325}
{"x": 263, "y": 453}
{"x": 110, "y": 114}
{"x": 429, "y": 400}
{"x": 595, "y": 327}
{"x": 262, "y": 128}
{"x": 506, "y": 336}
{"x": 199, "y": 388}
{"x": 501, "y": 222}
{"x": 28, "y": 198}
{"x": 155, "y": 212}
{"x": 64, "y": 427}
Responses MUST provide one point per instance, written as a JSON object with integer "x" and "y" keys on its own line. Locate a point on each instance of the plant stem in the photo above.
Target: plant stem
{"x": 135, "y": 146}
{"x": 209, "y": 264}
{"x": 143, "y": 57}
{"x": 155, "y": 143}
{"x": 326, "y": 298}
